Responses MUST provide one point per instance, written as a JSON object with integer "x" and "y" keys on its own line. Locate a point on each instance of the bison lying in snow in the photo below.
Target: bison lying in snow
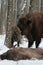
{"x": 31, "y": 25}
{"x": 22, "y": 53}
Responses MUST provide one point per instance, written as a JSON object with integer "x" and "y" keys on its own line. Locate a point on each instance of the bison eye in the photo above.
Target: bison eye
{"x": 28, "y": 22}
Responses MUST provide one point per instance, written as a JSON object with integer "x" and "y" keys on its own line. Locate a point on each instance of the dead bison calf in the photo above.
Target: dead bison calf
{"x": 31, "y": 25}
{"x": 22, "y": 53}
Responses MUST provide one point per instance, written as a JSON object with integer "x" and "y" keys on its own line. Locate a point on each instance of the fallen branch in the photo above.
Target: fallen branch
{"x": 22, "y": 53}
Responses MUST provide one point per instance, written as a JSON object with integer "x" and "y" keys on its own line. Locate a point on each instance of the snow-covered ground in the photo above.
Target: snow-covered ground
{"x": 24, "y": 42}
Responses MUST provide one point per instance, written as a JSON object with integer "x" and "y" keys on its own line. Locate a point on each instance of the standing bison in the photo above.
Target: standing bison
{"x": 16, "y": 35}
{"x": 31, "y": 25}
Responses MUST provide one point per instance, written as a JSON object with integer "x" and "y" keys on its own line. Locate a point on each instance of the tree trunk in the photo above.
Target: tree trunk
{"x": 1, "y": 17}
{"x": 10, "y": 23}
{"x": 4, "y": 16}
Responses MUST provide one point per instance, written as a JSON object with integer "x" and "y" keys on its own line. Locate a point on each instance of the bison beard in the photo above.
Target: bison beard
{"x": 31, "y": 25}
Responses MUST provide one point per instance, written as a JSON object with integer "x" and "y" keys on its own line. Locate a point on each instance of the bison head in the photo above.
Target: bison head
{"x": 23, "y": 22}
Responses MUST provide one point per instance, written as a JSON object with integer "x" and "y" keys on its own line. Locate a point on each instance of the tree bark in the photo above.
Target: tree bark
{"x": 22, "y": 54}
{"x": 1, "y": 17}
{"x": 10, "y": 23}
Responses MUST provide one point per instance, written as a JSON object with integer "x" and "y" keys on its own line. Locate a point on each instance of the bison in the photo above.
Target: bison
{"x": 22, "y": 53}
{"x": 31, "y": 25}
{"x": 16, "y": 36}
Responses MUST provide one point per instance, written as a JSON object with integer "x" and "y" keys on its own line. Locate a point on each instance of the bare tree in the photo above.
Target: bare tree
{"x": 1, "y": 16}
{"x": 4, "y": 15}
{"x": 10, "y": 22}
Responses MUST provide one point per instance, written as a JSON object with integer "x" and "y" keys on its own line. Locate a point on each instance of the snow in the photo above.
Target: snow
{"x": 24, "y": 44}
{"x": 3, "y": 48}
{"x": 21, "y": 62}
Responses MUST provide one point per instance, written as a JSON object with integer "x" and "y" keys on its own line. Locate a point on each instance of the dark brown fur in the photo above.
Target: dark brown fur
{"x": 16, "y": 35}
{"x": 31, "y": 25}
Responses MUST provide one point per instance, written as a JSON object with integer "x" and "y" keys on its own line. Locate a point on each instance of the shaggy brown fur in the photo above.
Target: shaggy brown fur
{"x": 16, "y": 35}
{"x": 31, "y": 25}
{"x": 22, "y": 53}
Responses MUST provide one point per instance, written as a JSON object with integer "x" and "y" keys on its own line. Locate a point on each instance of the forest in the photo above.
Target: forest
{"x": 21, "y": 32}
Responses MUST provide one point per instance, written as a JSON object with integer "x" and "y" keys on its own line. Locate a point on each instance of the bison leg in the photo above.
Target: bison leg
{"x": 30, "y": 44}
{"x": 12, "y": 40}
{"x": 18, "y": 43}
{"x": 37, "y": 43}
